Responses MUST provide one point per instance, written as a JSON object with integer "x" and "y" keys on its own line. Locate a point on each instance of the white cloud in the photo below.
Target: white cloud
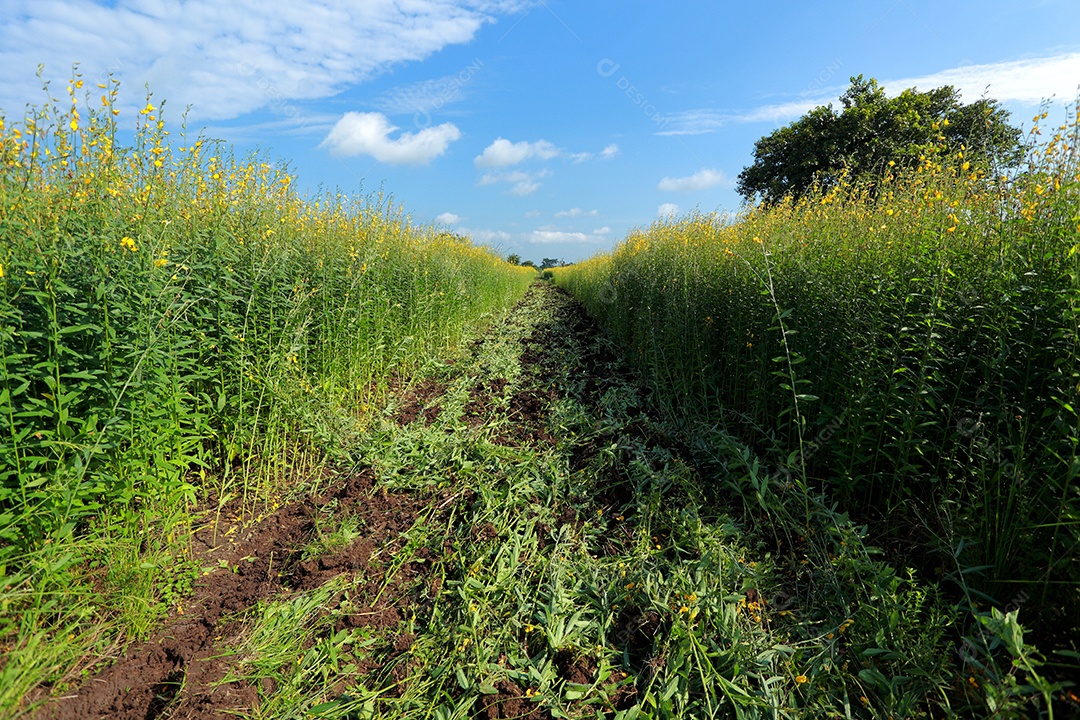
{"x": 227, "y": 59}
{"x": 1026, "y": 82}
{"x": 606, "y": 154}
{"x": 486, "y": 237}
{"x": 698, "y": 181}
{"x": 547, "y": 237}
{"x": 667, "y": 210}
{"x": 502, "y": 152}
{"x": 601, "y": 231}
{"x": 359, "y": 133}
{"x": 699, "y": 122}
{"x": 576, "y": 212}
{"x": 1023, "y": 81}
{"x": 521, "y": 183}
{"x": 449, "y": 218}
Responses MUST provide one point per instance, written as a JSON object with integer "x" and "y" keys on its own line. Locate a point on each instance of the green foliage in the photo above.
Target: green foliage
{"x": 909, "y": 348}
{"x": 618, "y": 583}
{"x": 872, "y": 133}
{"x": 177, "y": 324}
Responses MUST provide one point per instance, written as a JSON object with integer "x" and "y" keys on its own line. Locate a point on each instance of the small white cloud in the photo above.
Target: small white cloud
{"x": 524, "y": 187}
{"x": 667, "y": 210}
{"x": 449, "y": 218}
{"x": 502, "y": 152}
{"x": 698, "y": 181}
{"x": 606, "y": 154}
{"x": 522, "y": 183}
{"x": 485, "y": 236}
{"x": 601, "y": 231}
{"x": 546, "y": 237}
{"x": 358, "y": 133}
{"x": 576, "y": 212}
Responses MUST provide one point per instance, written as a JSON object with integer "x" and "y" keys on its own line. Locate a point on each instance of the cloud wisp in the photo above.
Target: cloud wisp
{"x": 701, "y": 180}
{"x": 1026, "y": 82}
{"x": 521, "y": 183}
{"x": 576, "y": 212}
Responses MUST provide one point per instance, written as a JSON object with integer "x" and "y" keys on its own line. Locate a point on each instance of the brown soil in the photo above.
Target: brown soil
{"x": 180, "y": 667}
{"x": 483, "y": 398}
{"x": 418, "y": 402}
{"x": 510, "y": 702}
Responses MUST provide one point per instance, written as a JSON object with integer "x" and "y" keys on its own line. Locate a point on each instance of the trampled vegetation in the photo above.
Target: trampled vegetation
{"x": 269, "y": 456}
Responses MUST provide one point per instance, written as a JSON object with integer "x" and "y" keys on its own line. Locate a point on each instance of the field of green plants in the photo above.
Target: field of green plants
{"x": 273, "y": 456}
{"x": 907, "y": 347}
{"x": 178, "y": 326}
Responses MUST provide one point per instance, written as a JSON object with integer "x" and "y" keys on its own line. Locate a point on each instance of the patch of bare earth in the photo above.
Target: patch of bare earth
{"x": 179, "y": 670}
{"x": 420, "y": 402}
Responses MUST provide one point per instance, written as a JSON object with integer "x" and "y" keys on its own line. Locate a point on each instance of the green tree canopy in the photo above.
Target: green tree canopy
{"x": 871, "y": 131}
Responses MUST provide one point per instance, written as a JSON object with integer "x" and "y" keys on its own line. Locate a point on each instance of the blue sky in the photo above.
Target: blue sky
{"x": 548, "y": 128}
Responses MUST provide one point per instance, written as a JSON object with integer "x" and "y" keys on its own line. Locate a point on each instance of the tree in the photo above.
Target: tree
{"x": 513, "y": 259}
{"x": 549, "y": 263}
{"x": 871, "y": 131}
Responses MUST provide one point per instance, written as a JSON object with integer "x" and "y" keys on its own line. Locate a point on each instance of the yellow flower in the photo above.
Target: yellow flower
{"x": 1, "y": 270}
{"x": 800, "y": 679}
{"x": 128, "y": 244}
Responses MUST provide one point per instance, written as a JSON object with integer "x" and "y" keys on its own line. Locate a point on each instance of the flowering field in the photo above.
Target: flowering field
{"x": 178, "y": 327}
{"x": 271, "y": 456}
{"x": 907, "y": 347}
